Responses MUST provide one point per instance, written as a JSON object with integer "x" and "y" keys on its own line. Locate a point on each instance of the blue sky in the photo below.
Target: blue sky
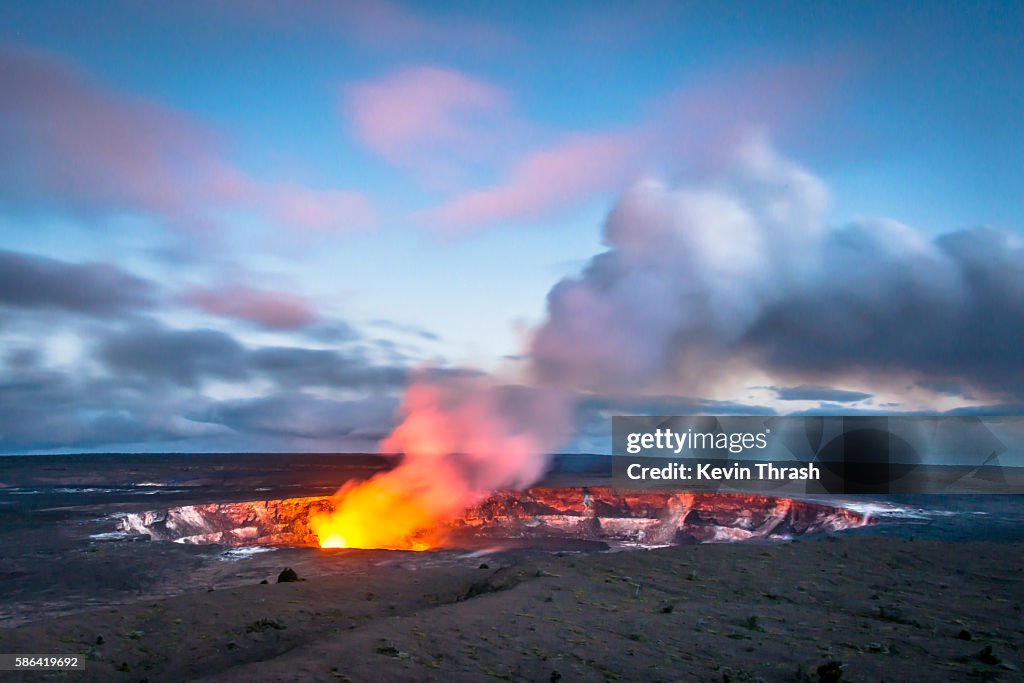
{"x": 381, "y": 187}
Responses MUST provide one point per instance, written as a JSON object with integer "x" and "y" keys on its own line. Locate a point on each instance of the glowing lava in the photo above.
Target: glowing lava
{"x": 459, "y": 446}
{"x": 333, "y": 542}
{"x": 373, "y": 514}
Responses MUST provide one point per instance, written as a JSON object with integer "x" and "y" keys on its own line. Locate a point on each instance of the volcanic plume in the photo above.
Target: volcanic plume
{"x": 740, "y": 272}
{"x": 461, "y": 439}
{"x": 739, "y": 269}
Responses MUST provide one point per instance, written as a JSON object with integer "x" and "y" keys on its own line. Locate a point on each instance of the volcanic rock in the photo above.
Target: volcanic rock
{"x": 261, "y": 625}
{"x": 584, "y": 516}
{"x": 832, "y": 672}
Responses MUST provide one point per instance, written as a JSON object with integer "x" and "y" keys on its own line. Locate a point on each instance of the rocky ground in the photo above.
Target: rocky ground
{"x": 828, "y": 609}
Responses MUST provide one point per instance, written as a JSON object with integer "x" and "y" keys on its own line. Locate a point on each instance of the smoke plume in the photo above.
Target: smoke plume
{"x": 462, "y": 438}
{"x": 741, "y": 267}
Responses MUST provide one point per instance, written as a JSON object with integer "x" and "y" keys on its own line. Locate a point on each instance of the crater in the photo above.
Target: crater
{"x": 571, "y": 517}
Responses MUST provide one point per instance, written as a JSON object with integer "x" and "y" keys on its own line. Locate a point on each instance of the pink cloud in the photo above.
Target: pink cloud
{"x": 542, "y": 181}
{"x": 428, "y": 118}
{"x": 89, "y": 149}
{"x": 691, "y": 124}
{"x": 270, "y": 309}
{"x": 440, "y": 123}
{"x": 445, "y": 125}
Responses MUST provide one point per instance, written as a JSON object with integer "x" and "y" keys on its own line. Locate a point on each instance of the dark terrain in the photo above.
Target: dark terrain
{"x": 933, "y": 592}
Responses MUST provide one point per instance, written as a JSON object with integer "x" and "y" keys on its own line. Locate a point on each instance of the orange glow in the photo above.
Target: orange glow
{"x": 332, "y": 541}
{"x": 457, "y": 449}
{"x": 374, "y": 515}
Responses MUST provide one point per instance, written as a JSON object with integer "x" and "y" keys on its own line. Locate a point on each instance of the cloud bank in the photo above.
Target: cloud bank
{"x": 736, "y": 274}
{"x": 29, "y": 281}
{"x": 742, "y": 269}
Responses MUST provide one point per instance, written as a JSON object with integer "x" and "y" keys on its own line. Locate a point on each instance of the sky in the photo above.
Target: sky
{"x": 246, "y": 225}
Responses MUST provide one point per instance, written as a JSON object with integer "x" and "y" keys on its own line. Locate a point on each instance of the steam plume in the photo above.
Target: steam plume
{"x": 744, "y": 268}
{"x": 739, "y": 267}
{"x": 461, "y": 440}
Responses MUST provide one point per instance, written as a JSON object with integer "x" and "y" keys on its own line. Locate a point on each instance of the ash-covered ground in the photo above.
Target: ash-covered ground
{"x": 933, "y": 591}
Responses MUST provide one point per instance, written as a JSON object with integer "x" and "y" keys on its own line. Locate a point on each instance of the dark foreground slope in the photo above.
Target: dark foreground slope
{"x": 885, "y": 609}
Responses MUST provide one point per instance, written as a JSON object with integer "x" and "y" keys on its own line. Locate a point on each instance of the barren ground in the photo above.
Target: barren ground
{"x": 885, "y": 609}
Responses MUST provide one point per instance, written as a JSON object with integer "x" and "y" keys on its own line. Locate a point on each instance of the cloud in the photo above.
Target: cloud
{"x": 813, "y": 392}
{"x": 92, "y": 148}
{"x": 83, "y": 365}
{"x": 300, "y": 367}
{"x": 542, "y": 181}
{"x": 37, "y": 282}
{"x": 144, "y": 385}
{"x": 405, "y": 329}
{"x": 43, "y": 408}
{"x": 153, "y": 353}
{"x": 266, "y": 308}
{"x": 22, "y": 359}
{"x": 446, "y": 127}
{"x": 70, "y": 141}
{"x": 303, "y": 416}
{"x": 442, "y": 123}
{"x": 182, "y": 357}
{"x": 687, "y": 272}
{"x": 944, "y": 309}
{"x": 462, "y": 136}
{"x": 991, "y": 410}
{"x": 422, "y": 109}
{"x": 332, "y": 332}
{"x": 599, "y": 406}
{"x": 945, "y": 387}
{"x": 741, "y": 270}
{"x": 692, "y": 123}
